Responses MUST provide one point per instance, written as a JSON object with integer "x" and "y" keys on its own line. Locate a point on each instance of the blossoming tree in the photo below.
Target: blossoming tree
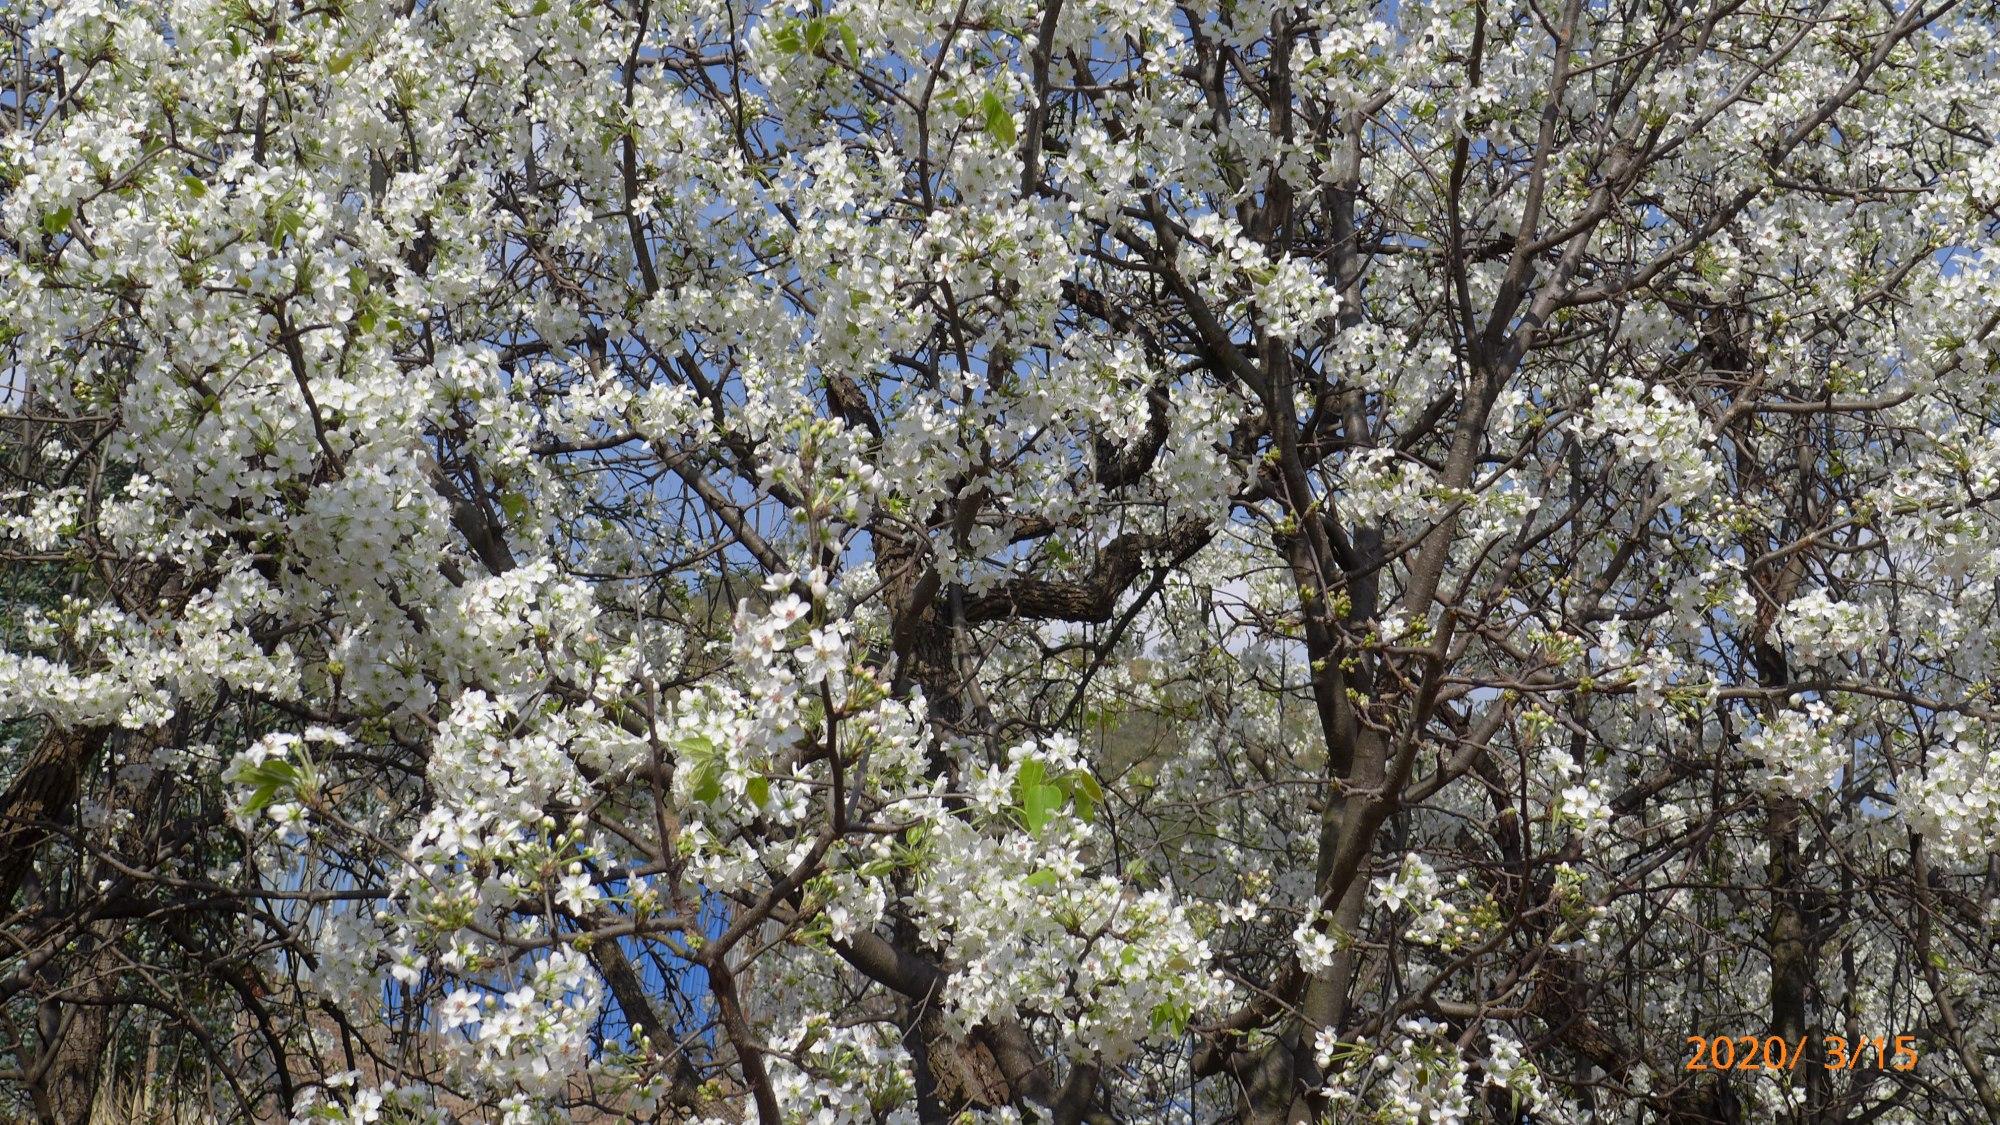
{"x": 1073, "y": 560}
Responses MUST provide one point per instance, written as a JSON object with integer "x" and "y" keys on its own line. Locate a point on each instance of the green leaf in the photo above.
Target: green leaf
{"x": 514, "y": 505}
{"x": 788, "y": 38}
{"x": 706, "y": 785}
{"x": 703, "y": 760}
{"x": 266, "y": 780}
{"x": 815, "y": 34}
{"x": 999, "y": 122}
{"x": 277, "y": 771}
{"x": 1044, "y": 879}
{"x": 760, "y": 791}
{"x": 1172, "y": 1015}
{"x": 1031, "y": 774}
{"x": 1039, "y": 805}
{"x": 848, "y": 40}
{"x": 1087, "y": 786}
{"x": 56, "y": 222}
{"x": 289, "y": 224}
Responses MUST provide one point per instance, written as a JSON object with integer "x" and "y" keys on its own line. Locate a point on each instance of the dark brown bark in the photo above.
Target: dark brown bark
{"x": 39, "y": 799}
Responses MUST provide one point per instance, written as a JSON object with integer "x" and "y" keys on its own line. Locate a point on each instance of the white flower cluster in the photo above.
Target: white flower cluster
{"x": 1292, "y": 300}
{"x": 1433, "y": 919}
{"x": 1317, "y": 943}
{"x": 438, "y": 424}
{"x": 276, "y": 773}
{"x": 49, "y": 520}
{"x": 1800, "y": 753}
{"x": 535, "y": 1036}
{"x": 1818, "y": 626}
{"x": 1378, "y": 485}
{"x": 1652, "y": 427}
{"x": 345, "y": 1100}
{"x": 1417, "y": 1077}
{"x": 1014, "y": 904}
{"x": 1955, "y": 801}
{"x": 831, "y": 1075}
{"x": 1584, "y": 807}
{"x": 1506, "y": 1066}
{"x": 132, "y": 685}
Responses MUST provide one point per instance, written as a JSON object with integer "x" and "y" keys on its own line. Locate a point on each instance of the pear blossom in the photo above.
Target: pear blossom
{"x": 896, "y": 562}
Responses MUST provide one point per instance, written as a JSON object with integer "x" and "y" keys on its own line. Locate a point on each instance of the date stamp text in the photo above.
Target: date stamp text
{"x": 1774, "y": 1052}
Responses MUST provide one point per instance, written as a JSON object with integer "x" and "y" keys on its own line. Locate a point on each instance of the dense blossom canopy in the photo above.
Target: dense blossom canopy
{"x": 1059, "y": 560}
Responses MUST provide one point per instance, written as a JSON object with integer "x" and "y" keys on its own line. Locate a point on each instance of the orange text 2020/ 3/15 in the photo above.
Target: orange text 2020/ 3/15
{"x": 1775, "y": 1052}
